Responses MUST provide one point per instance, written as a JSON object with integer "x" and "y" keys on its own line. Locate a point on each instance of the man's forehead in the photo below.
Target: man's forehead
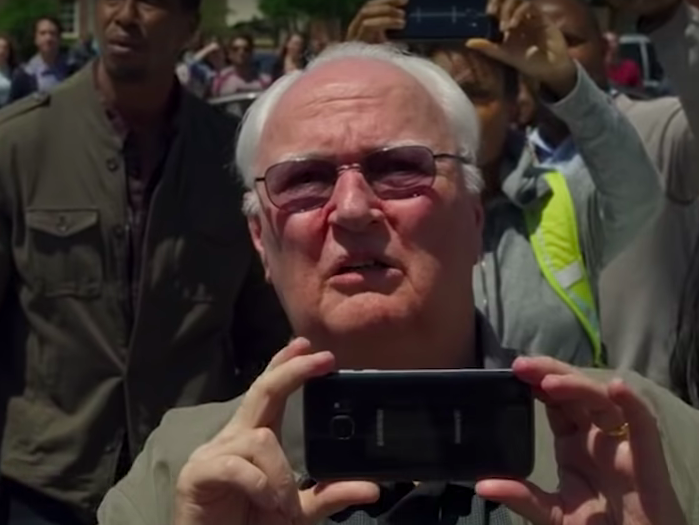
{"x": 350, "y": 79}
{"x": 359, "y": 101}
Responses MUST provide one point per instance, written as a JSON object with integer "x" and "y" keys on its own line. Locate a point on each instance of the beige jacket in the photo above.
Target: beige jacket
{"x": 146, "y": 495}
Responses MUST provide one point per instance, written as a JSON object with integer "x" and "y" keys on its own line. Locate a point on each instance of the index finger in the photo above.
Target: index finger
{"x": 578, "y": 391}
{"x": 533, "y": 370}
{"x": 264, "y": 403}
{"x": 388, "y": 11}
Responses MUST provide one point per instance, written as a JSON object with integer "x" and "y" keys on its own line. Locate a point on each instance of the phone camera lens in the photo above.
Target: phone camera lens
{"x": 342, "y": 427}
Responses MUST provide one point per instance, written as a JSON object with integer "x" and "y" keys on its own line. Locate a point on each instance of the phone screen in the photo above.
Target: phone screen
{"x": 438, "y": 20}
{"x": 431, "y": 425}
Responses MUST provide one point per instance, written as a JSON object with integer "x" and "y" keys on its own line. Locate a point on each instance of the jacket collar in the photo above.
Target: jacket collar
{"x": 82, "y": 94}
{"x": 521, "y": 179}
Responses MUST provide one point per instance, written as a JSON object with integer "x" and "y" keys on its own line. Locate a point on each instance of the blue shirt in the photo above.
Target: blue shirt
{"x": 5, "y": 85}
{"x": 47, "y": 77}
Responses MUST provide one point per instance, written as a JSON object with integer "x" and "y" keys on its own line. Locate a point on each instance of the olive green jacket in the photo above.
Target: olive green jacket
{"x": 146, "y": 495}
{"x": 77, "y": 378}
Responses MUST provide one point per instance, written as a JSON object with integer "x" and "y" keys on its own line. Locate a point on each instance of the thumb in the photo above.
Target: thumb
{"x": 326, "y": 499}
{"x": 522, "y": 497}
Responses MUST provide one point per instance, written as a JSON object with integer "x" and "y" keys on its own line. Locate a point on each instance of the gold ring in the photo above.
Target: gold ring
{"x": 621, "y": 432}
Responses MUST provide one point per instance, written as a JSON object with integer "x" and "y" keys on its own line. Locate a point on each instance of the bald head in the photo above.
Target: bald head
{"x": 355, "y": 97}
{"x": 351, "y": 106}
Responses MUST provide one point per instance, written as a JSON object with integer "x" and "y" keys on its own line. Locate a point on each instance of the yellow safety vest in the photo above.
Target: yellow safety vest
{"x": 553, "y": 234}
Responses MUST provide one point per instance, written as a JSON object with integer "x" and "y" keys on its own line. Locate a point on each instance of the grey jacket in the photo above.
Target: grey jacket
{"x": 146, "y": 495}
{"x": 640, "y": 290}
{"x": 615, "y": 191}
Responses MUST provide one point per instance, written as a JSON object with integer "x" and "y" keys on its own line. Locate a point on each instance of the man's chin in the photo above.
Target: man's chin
{"x": 123, "y": 71}
{"x": 367, "y": 312}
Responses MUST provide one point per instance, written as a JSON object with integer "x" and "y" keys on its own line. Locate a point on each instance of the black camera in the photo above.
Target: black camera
{"x": 453, "y": 425}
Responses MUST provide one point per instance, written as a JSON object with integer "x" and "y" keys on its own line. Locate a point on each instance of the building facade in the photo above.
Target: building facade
{"x": 77, "y": 18}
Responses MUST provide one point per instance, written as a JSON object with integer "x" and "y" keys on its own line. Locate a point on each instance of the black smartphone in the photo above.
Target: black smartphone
{"x": 426, "y": 425}
{"x": 452, "y": 20}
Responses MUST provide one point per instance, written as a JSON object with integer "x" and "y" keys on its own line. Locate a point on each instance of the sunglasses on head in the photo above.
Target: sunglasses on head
{"x": 401, "y": 172}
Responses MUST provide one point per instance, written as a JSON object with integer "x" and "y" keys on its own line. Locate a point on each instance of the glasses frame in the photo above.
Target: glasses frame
{"x": 339, "y": 169}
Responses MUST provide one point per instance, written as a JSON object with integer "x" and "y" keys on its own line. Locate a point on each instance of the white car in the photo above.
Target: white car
{"x": 236, "y": 104}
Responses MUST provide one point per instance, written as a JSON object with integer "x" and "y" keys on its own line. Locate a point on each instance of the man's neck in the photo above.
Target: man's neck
{"x": 140, "y": 104}
{"x": 50, "y": 59}
{"x": 418, "y": 347}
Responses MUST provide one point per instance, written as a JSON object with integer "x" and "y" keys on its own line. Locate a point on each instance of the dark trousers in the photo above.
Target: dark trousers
{"x": 24, "y": 506}
{"x": 22, "y": 515}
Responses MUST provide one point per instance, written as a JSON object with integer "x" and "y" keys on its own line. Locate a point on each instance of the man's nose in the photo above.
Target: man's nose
{"x": 126, "y": 11}
{"x": 355, "y": 204}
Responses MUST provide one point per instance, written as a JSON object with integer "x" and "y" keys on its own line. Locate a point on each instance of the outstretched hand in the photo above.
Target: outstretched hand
{"x": 242, "y": 476}
{"x": 531, "y": 44}
{"x": 374, "y": 19}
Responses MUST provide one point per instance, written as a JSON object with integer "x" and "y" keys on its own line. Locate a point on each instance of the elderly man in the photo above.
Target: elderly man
{"x": 360, "y": 175}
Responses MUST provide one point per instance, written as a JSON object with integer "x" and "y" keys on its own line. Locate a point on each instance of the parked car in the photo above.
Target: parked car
{"x": 236, "y": 104}
{"x": 639, "y": 48}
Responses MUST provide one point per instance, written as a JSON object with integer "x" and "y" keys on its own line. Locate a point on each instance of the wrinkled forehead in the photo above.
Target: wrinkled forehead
{"x": 351, "y": 106}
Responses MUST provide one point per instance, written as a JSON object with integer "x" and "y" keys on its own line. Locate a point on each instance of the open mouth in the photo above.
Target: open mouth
{"x": 125, "y": 45}
{"x": 365, "y": 266}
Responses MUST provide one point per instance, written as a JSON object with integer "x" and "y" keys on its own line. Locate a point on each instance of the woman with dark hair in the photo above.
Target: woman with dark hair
{"x": 292, "y": 56}
{"x": 684, "y": 363}
{"x": 8, "y": 64}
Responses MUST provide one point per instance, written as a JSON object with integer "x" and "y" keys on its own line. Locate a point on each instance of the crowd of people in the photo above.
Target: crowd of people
{"x": 170, "y": 276}
{"x": 219, "y": 69}
{"x": 48, "y": 67}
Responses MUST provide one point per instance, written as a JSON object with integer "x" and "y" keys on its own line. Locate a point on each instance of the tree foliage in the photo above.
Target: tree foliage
{"x": 280, "y": 10}
{"x": 17, "y": 19}
{"x": 214, "y": 16}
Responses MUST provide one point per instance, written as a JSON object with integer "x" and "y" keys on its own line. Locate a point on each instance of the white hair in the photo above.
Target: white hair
{"x": 458, "y": 109}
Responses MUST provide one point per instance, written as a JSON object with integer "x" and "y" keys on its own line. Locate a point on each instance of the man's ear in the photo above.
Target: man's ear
{"x": 255, "y": 228}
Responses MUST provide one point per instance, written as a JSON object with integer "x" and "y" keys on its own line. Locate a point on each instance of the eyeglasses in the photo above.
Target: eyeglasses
{"x": 237, "y": 49}
{"x": 393, "y": 173}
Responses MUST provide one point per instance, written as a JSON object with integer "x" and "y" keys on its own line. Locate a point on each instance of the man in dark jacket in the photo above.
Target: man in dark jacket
{"x": 128, "y": 283}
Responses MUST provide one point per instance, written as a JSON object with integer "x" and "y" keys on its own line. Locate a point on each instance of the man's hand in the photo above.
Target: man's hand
{"x": 242, "y": 476}
{"x": 374, "y": 19}
{"x": 610, "y": 458}
{"x": 532, "y": 45}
